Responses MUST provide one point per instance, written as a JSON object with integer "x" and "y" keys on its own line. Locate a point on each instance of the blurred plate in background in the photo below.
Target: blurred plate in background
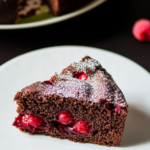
{"x": 47, "y": 18}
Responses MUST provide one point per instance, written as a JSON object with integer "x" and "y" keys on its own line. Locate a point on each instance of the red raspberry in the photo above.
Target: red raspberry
{"x": 80, "y": 75}
{"x": 32, "y": 120}
{"x": 47, "y": 82}
{"x": 141, "y": 30}
{"x": 83, "y": 77}
{"x": 65, "y": 117}
{"x": 18, "y": 121}
{"x": 118, "y": 109}
{"x": 81, "y": 127}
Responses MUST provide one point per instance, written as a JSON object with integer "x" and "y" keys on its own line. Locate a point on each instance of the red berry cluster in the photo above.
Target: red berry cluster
{"x": 65, "y": 120}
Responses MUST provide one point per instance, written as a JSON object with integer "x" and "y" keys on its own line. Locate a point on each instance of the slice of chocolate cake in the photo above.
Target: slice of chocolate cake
{"x": 82, "y": 104}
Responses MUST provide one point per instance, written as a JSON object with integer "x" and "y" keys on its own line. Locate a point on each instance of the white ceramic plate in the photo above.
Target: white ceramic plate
{"x": 55, "y": 19}
{"x": 41, "y": 65}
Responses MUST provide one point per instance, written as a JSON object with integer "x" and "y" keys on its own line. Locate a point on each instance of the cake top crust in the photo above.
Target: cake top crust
{"x": 96, "y": 86}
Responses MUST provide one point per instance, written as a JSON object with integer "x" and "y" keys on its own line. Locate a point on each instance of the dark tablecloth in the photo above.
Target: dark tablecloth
{"x": 109, "y": 26}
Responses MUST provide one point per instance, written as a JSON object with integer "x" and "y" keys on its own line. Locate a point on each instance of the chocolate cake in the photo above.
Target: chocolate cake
{"x": 82, "y": 104}
{"x": 10, "y": 10}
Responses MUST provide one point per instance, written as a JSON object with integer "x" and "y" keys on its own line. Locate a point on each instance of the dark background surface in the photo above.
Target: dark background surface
{"x": 108, "y": 26}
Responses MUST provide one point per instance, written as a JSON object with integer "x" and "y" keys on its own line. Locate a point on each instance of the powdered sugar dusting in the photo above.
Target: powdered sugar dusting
{"x": 67, "y": 87}
{"x": 86, "y": 64}
{"x": 99, "y": 85}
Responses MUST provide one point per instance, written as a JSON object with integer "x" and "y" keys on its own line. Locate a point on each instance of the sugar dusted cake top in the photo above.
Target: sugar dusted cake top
{"x": 85, "y": 80}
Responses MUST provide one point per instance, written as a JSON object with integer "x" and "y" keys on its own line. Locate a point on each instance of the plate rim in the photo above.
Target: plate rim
{"x": 80, "y": 11}
{"x": 69, "y": 46}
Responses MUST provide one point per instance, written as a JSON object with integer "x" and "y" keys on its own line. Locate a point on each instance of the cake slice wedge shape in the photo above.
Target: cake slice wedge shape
{"x": 82, "y": 103}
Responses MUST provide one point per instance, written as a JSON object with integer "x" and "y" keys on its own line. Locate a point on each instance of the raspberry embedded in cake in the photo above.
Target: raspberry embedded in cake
{"x": 80, "y": 75}
{"x": 47, "y": 82}
{"x": 82, "y": 104}
{"x": 81, "y": 127}
{"x": 65, "y": 123}
{"x": 65, "y": 117}
{"x": 111, "y": 107}
{"x": 30, "y": 122}
{"x": 118, "y": 109}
